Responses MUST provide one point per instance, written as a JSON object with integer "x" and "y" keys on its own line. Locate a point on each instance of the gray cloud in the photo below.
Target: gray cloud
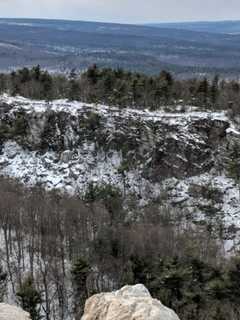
{"x": 133, "y": 11}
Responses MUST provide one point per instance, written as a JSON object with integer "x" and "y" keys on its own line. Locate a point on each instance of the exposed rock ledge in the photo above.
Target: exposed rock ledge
{"x": 128, "y": 303}
{"x": 8, "y": 312}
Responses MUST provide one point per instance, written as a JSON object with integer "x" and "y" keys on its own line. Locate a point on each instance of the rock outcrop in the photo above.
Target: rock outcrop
{"x": 8, "y": 312}
{"x": 128, "y": 303}
{"x": 80, "y": 142}
{"x": 180, "y": 159}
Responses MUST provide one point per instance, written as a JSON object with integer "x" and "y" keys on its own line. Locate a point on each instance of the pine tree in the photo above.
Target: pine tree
{"x": 36, "y": 71}
{"x": 3, "y": 283}
{"x": 80, "y": 272}
{"x": 92, "y": 74}
{"x": 203, "y": 91}
{"x": 214, "y": 90}
{"x": 30, "y": 298}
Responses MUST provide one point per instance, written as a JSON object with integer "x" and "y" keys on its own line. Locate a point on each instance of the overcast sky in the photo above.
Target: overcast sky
{"x": 132, "y": 11}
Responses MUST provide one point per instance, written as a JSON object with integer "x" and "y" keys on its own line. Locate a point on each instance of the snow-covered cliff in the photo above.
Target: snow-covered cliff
{"x": 176, "y": 157}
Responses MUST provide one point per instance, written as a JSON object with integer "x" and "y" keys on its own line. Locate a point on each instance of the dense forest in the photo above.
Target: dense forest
{"x": 57, "y": 250}
{"x": 123, "y": 88}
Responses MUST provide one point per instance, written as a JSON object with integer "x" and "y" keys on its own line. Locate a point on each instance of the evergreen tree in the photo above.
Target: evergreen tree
{"x": 92, "y": 74}
{"x": 36, "y": 72}
{"x": 47, "y": 86}
{"x": 214, "y": 90}
{"x": 74, "y": 89}
{"x": 203, "y": 91}
{"x": 3, "y": 283}
{"x": 30, "y": 298}
{"x": 80, "y": 272}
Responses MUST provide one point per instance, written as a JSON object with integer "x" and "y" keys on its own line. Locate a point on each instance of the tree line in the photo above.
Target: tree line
{"x": 123, "y": 88}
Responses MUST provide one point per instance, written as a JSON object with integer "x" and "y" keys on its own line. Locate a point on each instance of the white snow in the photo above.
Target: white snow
{"x": 233, "y": 131}
{"x": 89, "y": 165}
{"x": 74, "y": 107}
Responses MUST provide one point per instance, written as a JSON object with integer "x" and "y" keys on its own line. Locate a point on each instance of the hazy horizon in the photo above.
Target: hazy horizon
{"x": 125, "y": 11}
{"x": 116, "y": 22}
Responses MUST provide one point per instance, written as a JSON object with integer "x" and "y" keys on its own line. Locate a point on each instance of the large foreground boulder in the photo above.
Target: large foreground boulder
{"x": 8, "y": 312}
{"x": 128, "y": 303}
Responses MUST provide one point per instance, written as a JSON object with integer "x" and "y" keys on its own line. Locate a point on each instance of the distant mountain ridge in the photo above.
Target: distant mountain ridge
{"x": 60, "y": 45}
{"x": 222, "y": 27}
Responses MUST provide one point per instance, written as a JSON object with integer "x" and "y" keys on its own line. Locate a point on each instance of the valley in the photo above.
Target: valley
{"x": 60, "y": 45}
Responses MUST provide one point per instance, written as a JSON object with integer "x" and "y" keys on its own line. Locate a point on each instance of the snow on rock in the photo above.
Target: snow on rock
{"x": 9, "y": 312}
{"x": 70, "y": 145}
{"x": 233, "y": 132}
{"x": 67, "y": 145}
{"x": 128, "y": 303}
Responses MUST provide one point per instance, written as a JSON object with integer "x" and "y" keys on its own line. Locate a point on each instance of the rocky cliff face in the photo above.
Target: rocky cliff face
{"x": 76, "y": 136}
{"x": 8, "y": 312}
{"x": 178, "y": 157}
{"x": 129, "y": 303}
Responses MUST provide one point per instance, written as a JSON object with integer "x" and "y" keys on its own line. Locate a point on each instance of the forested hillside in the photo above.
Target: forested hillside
{"x": 60, "y": 45}
{"x": 111, "y": 178}
{"x": 123, "y": 88}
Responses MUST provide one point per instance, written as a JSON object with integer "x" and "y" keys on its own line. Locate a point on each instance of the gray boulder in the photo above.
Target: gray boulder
{"x": 9, "y": 312}
{"x": 128, "y": 303}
